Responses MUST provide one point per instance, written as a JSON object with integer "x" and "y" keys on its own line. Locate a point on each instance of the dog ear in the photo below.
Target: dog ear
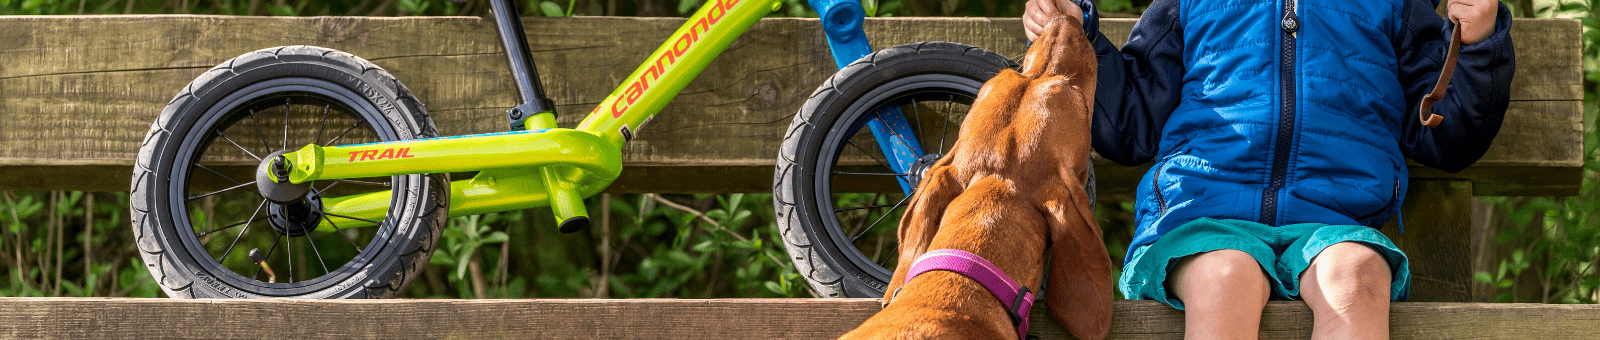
{"x": 921, "y": 220}
{"x": 1079, "y": 293}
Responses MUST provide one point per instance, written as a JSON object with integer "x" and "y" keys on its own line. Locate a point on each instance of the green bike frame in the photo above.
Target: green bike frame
{"x": 540, "y": 165}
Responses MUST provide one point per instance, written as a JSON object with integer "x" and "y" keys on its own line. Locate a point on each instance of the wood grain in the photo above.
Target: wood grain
{"x": 77, "y": 93}
{"x": 121, "y": 318}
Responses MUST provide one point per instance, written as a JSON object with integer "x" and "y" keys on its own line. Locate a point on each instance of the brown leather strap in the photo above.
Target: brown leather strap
{"x": 1426, "y": 110}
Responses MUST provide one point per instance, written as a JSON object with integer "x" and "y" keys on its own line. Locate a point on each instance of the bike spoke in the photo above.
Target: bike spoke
{"x": 191, "y": 198}
{"x": 314, "y": 250}
{"x": 885, "y": 164}
{"x": 330, "y": 186}
{"x": 868, "y": 173}
{"x": 285, "y": 123}
{"x": 324, "y": 122}
{"x": 230, "y": 226}
{"x": 880, "y": 219}
{"x": 945, "y": 131}
{"x": 901, "y": 140}
{"x": 259, "y": 134}
{"x": 219, "y": 174}
{"x": 241, "y": 148}
{"x": 353, "y": 218}
{"x": 382, "y": 184}
{"x": 346, "y": 130}
{"x": 917, "y": 114}
{"x": 288, "y": 249}
{"x": 839, "y": 210}
{"x": 341, "y": 232}
{"x": 862, "y": 222}
{"x": 247, "y": 224}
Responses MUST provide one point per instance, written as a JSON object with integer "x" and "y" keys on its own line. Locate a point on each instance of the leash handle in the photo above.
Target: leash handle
{"x": 1425, "y": 111}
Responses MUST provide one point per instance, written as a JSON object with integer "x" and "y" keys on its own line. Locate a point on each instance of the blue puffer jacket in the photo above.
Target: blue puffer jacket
{"x": 1255, "y": 113}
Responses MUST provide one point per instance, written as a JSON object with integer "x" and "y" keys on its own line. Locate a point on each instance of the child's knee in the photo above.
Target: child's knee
{"x": 1351, "y": 261}
{"x": 1228, "y": 272}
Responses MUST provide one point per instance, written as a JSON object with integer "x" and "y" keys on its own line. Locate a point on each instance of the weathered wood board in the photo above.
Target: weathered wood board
{"x": 107, "y": 318}
{"x": 77, "y": 93}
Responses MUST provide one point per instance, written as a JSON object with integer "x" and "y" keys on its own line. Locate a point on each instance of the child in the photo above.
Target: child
{"x": 1280, "y": 140}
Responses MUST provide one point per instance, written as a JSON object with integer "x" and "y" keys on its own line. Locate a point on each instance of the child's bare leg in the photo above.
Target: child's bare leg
{"x": 1223, "y": 293}
{"x": 1347, "y": 287}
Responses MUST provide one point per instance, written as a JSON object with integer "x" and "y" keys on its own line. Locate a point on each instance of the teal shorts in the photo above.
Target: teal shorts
{"x": 1283, "y": 252}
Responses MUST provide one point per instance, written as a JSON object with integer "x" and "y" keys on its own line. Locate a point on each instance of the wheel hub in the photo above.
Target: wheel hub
{"x": 296, "y": 218}
{"x": 920, "y": 168}
{"x": 281, "y": 193}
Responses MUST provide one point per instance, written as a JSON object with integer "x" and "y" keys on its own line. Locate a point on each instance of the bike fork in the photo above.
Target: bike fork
{"x": 841, "y": 22}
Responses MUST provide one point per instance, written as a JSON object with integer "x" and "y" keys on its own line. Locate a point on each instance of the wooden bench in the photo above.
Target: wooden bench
{"x": 77, "y": 94}
{"x": 38, "y": 318}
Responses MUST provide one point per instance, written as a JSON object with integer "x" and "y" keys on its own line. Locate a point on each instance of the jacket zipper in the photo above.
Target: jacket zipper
{"x": 1286, "y": 116}
{"x": 1155, "y": 183}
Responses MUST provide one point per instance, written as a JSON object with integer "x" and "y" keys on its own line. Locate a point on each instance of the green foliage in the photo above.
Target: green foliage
{"x": 46, "y": 246}
{"x": 1559, "y": 237}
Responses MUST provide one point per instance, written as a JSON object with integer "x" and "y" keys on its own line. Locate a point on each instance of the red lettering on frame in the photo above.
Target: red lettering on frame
{"x": 669, "y": 57}
{"x": 377, "y": 154}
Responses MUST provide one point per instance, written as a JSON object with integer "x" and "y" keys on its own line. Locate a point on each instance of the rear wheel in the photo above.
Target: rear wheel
{"x": 205, "y": 231}
{"x": 838, "y": 198}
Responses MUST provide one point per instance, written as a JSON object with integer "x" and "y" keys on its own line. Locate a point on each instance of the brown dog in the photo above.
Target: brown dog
{"x": 1013, "y": 180}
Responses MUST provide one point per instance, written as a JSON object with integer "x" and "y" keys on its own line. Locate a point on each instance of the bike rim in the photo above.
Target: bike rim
{"x": 222, "y": 150}
{"x": 866, "y": 209}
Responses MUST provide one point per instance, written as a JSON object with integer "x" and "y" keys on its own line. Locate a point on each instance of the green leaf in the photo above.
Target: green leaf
{"x": 687, "y": 6}
{"x": 73, "y": 289}
{"x": 461, "y": 265}
{"x": 496, "y": 237}
{"x": 550, "y": 9}
{"x": 705, "y": 247}
{"x": 774, "y": 287}
{"x": 1483, "y": 277}
{"x": 1507, "y": 236}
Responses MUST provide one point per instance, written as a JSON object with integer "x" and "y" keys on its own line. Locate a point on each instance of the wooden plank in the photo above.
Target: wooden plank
{"x": 42, "y": 318}
{"x": 80, "y": 92}
{"x": 1437, "y": 239}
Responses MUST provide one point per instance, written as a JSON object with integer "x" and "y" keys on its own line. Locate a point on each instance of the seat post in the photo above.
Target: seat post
{"x": 535, "y": 105}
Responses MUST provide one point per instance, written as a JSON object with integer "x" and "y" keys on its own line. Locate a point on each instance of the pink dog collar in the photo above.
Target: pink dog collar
{"x": 1002, "y": 286}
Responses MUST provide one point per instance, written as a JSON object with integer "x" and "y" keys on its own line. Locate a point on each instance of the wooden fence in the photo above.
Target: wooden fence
{"x": 77, "y": 94}
{"x": 106, "y": 318}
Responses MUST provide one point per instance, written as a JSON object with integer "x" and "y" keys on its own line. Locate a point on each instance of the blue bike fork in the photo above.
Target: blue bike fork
{"x": 841, "y": 21}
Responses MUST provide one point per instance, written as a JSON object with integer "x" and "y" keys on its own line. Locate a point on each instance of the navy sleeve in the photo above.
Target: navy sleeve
{"x": 1139, "y": 85}
{"x": 1475, "y": 102}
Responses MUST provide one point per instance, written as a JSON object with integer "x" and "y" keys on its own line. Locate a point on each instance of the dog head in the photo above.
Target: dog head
{"x": 1031, "y": 129}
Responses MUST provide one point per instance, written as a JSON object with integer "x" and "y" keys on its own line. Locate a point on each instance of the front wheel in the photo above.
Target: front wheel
{"x": 203, "y": 228}
{"x": 838, "y": 197}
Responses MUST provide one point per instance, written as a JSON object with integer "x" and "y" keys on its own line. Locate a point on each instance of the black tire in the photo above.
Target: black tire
{"x": 183, "y": 155}
{"x": 809, "y": 188}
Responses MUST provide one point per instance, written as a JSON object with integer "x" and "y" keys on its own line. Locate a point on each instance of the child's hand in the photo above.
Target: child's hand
{"x": 1475, "y": 18}
{"x": 1038, "y": 12}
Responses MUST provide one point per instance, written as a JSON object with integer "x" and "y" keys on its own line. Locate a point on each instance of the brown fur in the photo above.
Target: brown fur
{"x": 1013, "y": 180}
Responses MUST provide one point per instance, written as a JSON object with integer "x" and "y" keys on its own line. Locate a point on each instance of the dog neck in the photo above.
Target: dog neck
{"x": 941, "y": 302}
